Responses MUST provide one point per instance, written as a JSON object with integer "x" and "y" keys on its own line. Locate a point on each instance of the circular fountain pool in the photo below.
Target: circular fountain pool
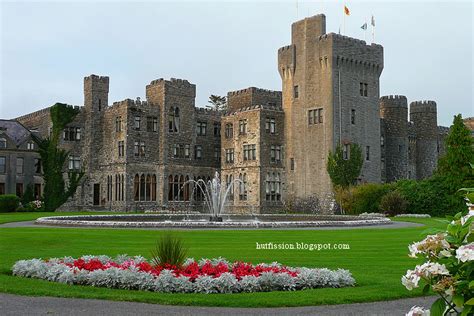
{"x": 202, "y": 221}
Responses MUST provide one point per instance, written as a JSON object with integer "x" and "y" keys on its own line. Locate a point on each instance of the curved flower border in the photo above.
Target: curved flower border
{"x": 203, "y": 276}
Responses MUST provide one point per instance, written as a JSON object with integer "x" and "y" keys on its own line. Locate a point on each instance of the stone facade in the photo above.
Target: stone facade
{"x": 273, "y": 145}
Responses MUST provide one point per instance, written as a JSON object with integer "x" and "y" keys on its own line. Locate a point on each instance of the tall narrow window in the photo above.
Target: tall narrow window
{"x": 311, "y": 117}
{"x": 353, "y": 116}
{"x": 121, "y": 148}
{"x": 198, "y": 152}
{"x": 367, "y": 153}
{"x": 118, "y": 124}
{"x": 229, "y": 130}
{"x": 170, "y": 188}
{"x": 37, "y": 191}
{"x": 320, "y": 115}
{"x": 296, "y": 92}
{"x": 201, "y": 128}
{"x": 292, "y": 163}
{"x": 37, "y": 165}
{"x": 19, "y": 165}
{"x": 243, "y": 126}
{"x": 142, "y": 188}
{"x": 153, "y": 187}
{"x": 148, "y": 188}
{"x": 30, "y": 146}
{"x": 171, "y": 120}
{"x": 19, "y": 190}
{"x": 3, "y": 162}
{"x": 346, "y": 151}
{"x": 243, "y": 187}
{"x": 176, "y": 120}
{"x": 137, "y": 123}
{"x": 270, "y": 125}
{"x": 136, "y": 187}
{"x": 217, "y": 129}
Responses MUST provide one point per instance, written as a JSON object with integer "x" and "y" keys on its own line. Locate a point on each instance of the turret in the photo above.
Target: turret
{"x": 96, "y": 92}
{"x": 423, "y": 115}
{"x": 394, "y": 114}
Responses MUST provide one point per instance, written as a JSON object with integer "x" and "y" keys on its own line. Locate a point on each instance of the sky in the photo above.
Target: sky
{"x": 47, "y": 48}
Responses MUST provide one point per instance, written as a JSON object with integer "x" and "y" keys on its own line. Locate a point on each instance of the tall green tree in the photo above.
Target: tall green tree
{"x": 53, "y": 159}
{"x": 218, "y": 103}
{"x": 455, "y": 164}
{"x": 345, "y": 171}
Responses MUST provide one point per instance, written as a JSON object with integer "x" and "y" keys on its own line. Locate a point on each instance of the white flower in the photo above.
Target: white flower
{"x": 445, "y": 253}
{"x": 465, "y": 218}
{"x": 430, "y": 246}
{"x": 429, "y": 269}
{"x": 418, "y": 311}
{"x": 465, "y": 253}
{"x": 410, "y": 280}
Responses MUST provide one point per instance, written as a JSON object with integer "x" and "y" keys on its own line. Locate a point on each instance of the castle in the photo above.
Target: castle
{"x": 139, "y": 155}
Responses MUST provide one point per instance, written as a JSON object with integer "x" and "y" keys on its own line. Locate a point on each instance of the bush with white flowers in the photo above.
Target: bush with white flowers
{"x": 203, "y": 276}
{"x": 448, "y": 269}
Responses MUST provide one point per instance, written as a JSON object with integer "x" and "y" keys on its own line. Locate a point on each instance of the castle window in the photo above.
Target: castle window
{"x": 201, "y": 128}
{"x": 272, "y": 187}
{"x": 295, "y": 92}
{"x": 2, "y": 188}
{"x": 37, "y": 191}
{"x": 19, "y": 190}
{"x": 148, "y": 188}
{"x": 346, "y": 151}
{"x": 320, "y": 115}
{"x": 229, "y": 130}
{"x": 292, "y": 163}
{"x": 187, "y": 151}
{"x": 152, "y": 124}
{"x": 109, "y": 188}
{"x": 142, "y": 188}
{"x": 74, "y": 163}
{"x": 353, "y": 116}
{"x": 100, "y": 104}
{"x": 118, "y": 124}
{"x": 217, "y": 129}
{"x": 311, "y": 117}
{"x": 275, "y": 153}
{"x": 217, "y": 153}
{"x": 3, "y": 143}
{"x": 243, "y": 187}
{"x": 136, "y": 188}
{"x": 363, "y": 87}
{"x": 229, "y": 181}
{"x": 30, "y": 146}
{"x": 229, "y": 155}
{"x": 139, "y": 149}
{"x": 37, "y": 165}
{"x": 72, "y": 133}
{"x": 153, "y": 187}
{"x": 270, "y": 126}
{"x": 173, "y": 120}
{"x": 19, "y": 165}
{"x": 250, "y": 152}
{"x": 367, "y": 153}
{"x": 3, "y": 161}
{"x": 198, "y": 152}
{"x": 243, "y": 126}
{"x": 121, "y": 148}
{"x": 137, "y": 122}
{"x": 382, "y": 141}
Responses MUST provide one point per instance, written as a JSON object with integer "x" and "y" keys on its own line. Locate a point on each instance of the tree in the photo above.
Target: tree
{"x": 455, "y": 164}
{"x": 344, "y": 172}
{"x": 53, "y": 159}
{"x": 218, "y": 103}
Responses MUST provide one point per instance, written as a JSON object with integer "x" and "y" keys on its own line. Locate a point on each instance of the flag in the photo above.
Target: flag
{"x": 364, "y": 26}
{"x": 372, "y": 21}
{"x": 346, "y": 11}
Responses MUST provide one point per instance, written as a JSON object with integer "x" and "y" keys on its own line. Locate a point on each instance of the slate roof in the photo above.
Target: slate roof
{"x": 15, "y": 131}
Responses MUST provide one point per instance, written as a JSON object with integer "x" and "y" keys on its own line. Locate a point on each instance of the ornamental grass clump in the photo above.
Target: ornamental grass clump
{"x": 169, "y": 251}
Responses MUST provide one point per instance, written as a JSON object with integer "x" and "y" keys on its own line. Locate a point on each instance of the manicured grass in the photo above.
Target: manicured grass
{"x": 377, "y": 259}
{"x": 31, "y": 216}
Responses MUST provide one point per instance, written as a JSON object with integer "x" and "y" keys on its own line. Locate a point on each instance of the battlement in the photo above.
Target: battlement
{"x": 348, "y": 40}
{"x": 253, "y": 108}
{"x": 255, "y": 90}
{"x": 93, "y": 77}
{"x": 35, "y": 114}
{"x": 425, "y": 106}
{"x": 171, "y": 81}
{"x": 398, "y": 101}
{"x": 130, "y": 103}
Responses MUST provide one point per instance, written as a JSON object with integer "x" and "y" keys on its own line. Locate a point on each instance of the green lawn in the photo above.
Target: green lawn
{"x": 377, "y": 258}
{"x": 30, "y": 216}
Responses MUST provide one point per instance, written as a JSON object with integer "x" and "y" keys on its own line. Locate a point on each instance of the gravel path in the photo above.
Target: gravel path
{"x": 29, "y": 305}
{"x": 392, "y": 225}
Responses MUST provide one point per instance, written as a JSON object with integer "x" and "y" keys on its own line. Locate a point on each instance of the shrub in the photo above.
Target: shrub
{"x": 366, "y": 198}
{"x": 470, "y": 197}
{"x": 393, "y": 203}
{"x": 9, "y": 203}
{"x": 169, "y": 250}
{"x": 344, "y": 198}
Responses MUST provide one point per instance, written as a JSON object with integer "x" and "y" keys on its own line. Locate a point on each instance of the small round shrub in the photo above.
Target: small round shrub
{"x": 365, "y": 198}
{"x": 9, "y": 203}
{"x": 393, "y": 204}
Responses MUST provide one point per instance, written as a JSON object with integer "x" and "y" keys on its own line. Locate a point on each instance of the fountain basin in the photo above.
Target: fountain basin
{"x": 202, "y": 221}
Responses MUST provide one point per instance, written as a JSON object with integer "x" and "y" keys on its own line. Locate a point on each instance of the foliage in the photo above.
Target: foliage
{"x": 435, "y": 196}
{"x": 33, "y": 206}
{"x": 364, "y": 198}
{"x": 344, "y": 197}
{"x": 448, "y": 269}
{"x": 344, "y": 172}
{"x": 169, "y": 250}
{"x": 9, "y": 202}
{"x": 393, "y": 203}
{"x": 454, "y": 165}
{"x": 218, "y": 103}
{"x": 310, "y": 204}
{"x": 470, "y": 197}
{"x": 54, "y": 159}
{"x": 29, "y": 195}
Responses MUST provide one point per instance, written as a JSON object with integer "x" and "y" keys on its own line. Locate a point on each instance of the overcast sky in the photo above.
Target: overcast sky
{"x": 48, "y": 47}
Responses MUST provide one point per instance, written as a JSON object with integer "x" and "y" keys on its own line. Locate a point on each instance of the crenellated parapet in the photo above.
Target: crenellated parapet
{"x": 156, "y": 90}
{"x": 423, "y": 107}
{"x": 129, "y": 103}
{"x": 253, "y": 96}
{"x": 253, "y": 108}
{"x": 287, "y": 61}
{"x": 394, "y": 101}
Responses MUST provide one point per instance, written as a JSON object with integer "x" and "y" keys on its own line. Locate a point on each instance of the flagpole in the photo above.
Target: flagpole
{"x": 344, "y": 20}
{"x": 365, "y": 31}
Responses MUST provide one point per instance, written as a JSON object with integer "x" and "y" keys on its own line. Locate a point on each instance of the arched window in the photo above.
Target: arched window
{"x": 181, "y": 188}
{"x": 122, "y": 187}
{"x": 170, "y": 188}
{"x": 176, "y": 189}
{"x": 267, "y": 187}
{"x": 153, "y": 187}
{"x": 136, "y": 187}
{"x": 243, "y": 187}
{"x": 277, "y": 187}
{"x": 148, "y": 187}
{"x": 142, "y": 188}
{"x": 186, "y": 188}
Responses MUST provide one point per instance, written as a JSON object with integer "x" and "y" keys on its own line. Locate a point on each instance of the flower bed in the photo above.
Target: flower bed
{"x": 203, "y": 276}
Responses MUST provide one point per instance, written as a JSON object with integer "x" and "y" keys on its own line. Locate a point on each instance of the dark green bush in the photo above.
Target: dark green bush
{"x": 393, "y": 203}
{"x": 9, "y": 203}
{"x": 362, "y": 198}
{"x": 437, "y": 196}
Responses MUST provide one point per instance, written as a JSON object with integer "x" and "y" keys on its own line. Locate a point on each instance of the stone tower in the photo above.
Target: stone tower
{"x": 394, "y": 114}
{"x": 423, "y": 115}
{"x": 330, "y": 86}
